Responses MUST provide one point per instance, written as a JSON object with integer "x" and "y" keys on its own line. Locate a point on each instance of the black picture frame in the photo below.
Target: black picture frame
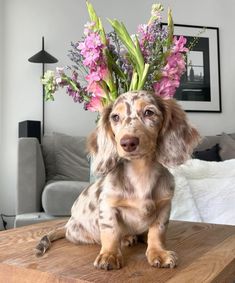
{"x": 200, "y": 86}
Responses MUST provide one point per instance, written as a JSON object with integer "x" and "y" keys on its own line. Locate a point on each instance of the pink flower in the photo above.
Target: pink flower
{"x": 96, "y": 89}
{"x": 92, "y": 52}
{"x": 179, "y": 44}
{"x": 171, "y": 74}
{"x": 103, "y": 71}
{"x": 93, "y": 76}
{"x": 175, "y": 66}
{"x": 91, "y": 58}
{"x": 91, "y": 49}
{"x": 165, "y": 87}
{"x": 95, "y": 104}
{"x": 92, "y": 41}
{"x": 97, "y": 74}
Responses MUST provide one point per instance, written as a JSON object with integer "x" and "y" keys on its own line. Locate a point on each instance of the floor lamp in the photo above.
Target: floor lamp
{"x": 43, "y": 57}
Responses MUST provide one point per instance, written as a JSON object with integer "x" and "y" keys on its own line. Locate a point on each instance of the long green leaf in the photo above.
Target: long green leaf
{"x": 170, "y": 29}
{"x": 139, "y": 56}
{"x": 135, "y": 54}
{"x": 114, "y": 66}
{"x": 143, "y": 78}
{"x": 134, "y": 81}
{"x": 123, "y": 34}
{"x": 94, "y": 18}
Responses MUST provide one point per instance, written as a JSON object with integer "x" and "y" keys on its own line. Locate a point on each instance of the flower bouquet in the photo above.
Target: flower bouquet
{"x": 106, "y": 65}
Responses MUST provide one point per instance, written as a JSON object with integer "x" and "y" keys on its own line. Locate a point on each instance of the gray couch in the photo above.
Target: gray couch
{"x": 50, "y": 177}
{"x": 216, "y": 148}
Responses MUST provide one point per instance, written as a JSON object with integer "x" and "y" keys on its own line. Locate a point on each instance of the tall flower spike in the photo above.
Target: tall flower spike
{"x": 156, "y": 9}
{"x": 97, "y": 22}
{"x": 98, "y": 27}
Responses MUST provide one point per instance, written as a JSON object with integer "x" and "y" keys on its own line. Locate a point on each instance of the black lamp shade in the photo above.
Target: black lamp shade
{"x": 43, "y": 57}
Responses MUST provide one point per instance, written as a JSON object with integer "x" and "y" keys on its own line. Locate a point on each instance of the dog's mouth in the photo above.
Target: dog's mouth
{"x": 135, "y": 155}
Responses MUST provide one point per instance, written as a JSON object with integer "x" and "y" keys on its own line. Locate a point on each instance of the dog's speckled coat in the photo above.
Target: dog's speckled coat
{"x": 136, "y": 139}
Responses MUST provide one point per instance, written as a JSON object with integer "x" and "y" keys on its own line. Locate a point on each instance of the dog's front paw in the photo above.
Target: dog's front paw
{"x": 162, "y": 258}
{"x": 109, "y": 260}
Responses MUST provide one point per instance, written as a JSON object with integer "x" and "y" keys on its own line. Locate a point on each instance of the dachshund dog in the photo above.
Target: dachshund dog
{"x": 136, "y": 139}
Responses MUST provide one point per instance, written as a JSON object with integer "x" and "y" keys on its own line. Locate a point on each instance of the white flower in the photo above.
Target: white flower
{"x": 156, "y": 9}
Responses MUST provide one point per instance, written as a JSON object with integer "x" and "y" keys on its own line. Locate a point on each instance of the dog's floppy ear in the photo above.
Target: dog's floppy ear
{"x": 102, "y": 146}
{"x": 177, "y": 138}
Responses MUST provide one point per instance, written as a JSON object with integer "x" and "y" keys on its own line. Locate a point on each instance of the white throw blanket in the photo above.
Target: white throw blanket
{"x": 205, "y": 191}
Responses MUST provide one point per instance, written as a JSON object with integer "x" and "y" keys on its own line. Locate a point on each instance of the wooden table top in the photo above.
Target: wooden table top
{"x": 206, "y": 254}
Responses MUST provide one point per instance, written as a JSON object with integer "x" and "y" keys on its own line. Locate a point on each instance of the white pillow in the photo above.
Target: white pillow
{"x": 215, "y": 199}
{"x": 183, "y": 205}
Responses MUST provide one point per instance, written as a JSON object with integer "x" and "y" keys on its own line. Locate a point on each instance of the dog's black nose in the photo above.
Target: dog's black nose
{"x": 129, "y": 143}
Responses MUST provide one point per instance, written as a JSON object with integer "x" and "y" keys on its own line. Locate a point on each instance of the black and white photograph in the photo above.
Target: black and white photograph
{"x": 199, "y": 89}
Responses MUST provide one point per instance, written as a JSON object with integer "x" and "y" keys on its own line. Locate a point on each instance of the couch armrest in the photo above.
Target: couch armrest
{"x": 31, "y": 176}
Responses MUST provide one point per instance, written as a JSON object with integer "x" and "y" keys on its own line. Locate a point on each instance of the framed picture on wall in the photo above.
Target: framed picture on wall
{"x": 199, "y": 89}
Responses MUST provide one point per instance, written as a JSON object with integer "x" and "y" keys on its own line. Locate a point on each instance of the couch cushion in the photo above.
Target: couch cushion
{"x": 227, "y": 145}
{"x": 49, "y": 156}
{"x": 209, "y": 154}
{"x": 208, "y": 142}
{"x": 59, "y": 196}
{"x": 66, "y": 158}
{"x": 31, "y": 218}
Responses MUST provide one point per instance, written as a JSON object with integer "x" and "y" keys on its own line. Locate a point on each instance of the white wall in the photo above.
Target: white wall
{"x": 1, "y": 80}
{"x": 1, "y": 69}
{"x": 61, "y": 21}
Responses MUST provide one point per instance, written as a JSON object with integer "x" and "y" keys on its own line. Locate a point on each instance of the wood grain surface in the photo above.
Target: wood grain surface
{"x": 206, "y": 254}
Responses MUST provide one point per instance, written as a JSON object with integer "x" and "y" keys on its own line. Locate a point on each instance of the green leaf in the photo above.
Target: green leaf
{"x": 102, "y": 33}
{"x": 139, "y": 56}
{"x": 97, "y": 21}
{"x": 94, "y": 18}
{"x": 123, "y": 34}
{"x": 170, "y": 29}
{"x": 135, "y": 54}
{"x": 134, "y": 82}
{"x": 144, "y": 77}
{"x": 112, "y": 65}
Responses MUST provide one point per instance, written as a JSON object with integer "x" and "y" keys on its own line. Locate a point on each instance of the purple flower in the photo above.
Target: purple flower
{"x": 151, "y": 38}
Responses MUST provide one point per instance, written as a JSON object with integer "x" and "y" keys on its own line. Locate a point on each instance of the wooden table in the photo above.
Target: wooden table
{"x": 206, "y": 253}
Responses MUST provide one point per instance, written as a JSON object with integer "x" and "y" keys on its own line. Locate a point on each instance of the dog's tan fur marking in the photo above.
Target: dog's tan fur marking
{"x": 110, "y": 256}
{"x": 134, "y": 192}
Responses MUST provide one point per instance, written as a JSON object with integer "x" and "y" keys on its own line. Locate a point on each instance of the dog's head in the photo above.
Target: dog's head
{"x": 141, "y": 125}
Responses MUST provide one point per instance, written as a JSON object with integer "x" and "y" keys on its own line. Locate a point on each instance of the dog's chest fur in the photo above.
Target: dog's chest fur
{"x": 125, "y": 201}
{"x": 135, "y": 194}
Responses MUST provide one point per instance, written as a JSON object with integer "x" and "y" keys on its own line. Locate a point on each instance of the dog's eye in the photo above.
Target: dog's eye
{"x": 115, "y": 117}
{"x": 148, "y": 113}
